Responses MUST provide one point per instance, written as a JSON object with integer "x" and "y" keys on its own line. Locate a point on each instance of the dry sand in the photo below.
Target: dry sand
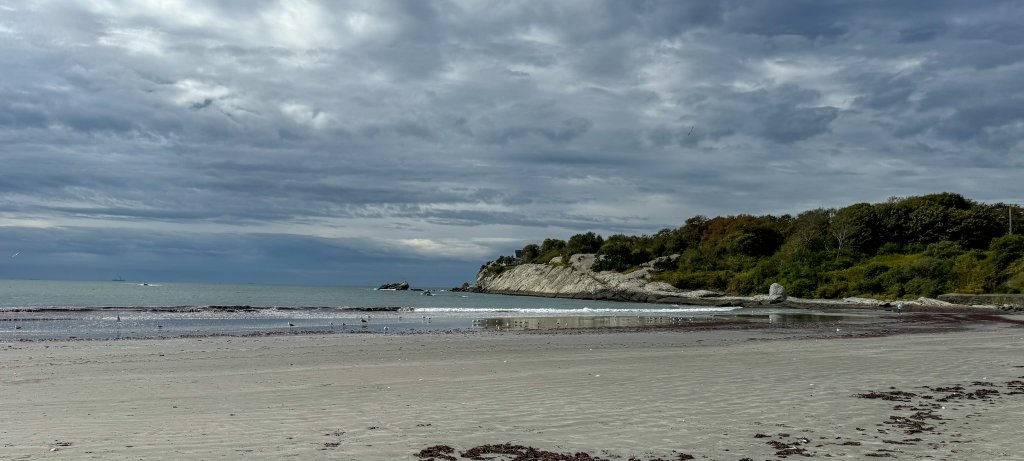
{"x": 613, "y": 395}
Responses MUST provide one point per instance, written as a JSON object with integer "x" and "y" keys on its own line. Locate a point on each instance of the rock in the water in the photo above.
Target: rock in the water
{"x": 466, "y": 287}
{"x": 403, "y": 285}
{"x": 776, "y": 293}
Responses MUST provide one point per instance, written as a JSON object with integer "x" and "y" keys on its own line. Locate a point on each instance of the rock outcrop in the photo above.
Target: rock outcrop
{"x": 776, "y": 293}
{"x": 403, "y": 285}
{"x": 467, "y": 288}
{"x": 577, "y": 280}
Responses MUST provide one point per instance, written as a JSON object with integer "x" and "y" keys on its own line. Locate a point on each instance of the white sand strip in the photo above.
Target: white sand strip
{"x": 365, "y": 397}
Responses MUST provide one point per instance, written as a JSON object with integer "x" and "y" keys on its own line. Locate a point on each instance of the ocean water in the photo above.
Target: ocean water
{"x": 43, "y": 310}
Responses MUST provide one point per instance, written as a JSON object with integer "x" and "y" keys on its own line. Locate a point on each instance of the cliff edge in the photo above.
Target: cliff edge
{"x": 575, "y": 279}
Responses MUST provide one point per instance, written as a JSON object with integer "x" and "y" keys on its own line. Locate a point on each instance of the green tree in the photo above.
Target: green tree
{"x": 809, "y": 232}
{"x": 975, "y": 227}
{"x": 755, "y": 241}
{"x": 552, "y": 245}
{"x": 1006, "y": 250}
{"x": 530, "y": 252}
{"x": 844, "y": 227}
{"x": 583, "y": 243}
{"x": 973, "y": 273}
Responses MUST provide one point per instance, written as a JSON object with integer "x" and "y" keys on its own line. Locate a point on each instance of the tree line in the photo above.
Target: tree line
{"x": 904, "y": 247}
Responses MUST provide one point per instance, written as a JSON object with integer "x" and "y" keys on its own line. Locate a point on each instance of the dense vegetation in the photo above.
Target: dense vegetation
{"x": 916, "y": 246}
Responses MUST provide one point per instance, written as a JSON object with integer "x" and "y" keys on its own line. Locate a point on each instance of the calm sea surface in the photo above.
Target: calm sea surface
{"x": 40, "y": 310}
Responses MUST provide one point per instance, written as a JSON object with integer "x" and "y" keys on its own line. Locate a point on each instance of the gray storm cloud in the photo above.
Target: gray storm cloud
{"x": 442, "y": 133}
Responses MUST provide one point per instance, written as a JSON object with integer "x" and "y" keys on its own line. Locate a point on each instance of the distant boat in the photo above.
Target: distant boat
{"x": 117, "y": 279}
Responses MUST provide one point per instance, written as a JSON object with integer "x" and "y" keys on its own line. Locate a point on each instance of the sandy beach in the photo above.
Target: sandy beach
{"x": 719, "y": 395}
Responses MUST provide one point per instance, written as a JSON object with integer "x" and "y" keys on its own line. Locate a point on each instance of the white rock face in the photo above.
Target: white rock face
{"x": 930, "y": 302}
{"x": 776, "y": 293}
{"x": 578, "y": 281}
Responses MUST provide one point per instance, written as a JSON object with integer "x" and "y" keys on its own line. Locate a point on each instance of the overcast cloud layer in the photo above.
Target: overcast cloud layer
{"x": 362, "y": 141}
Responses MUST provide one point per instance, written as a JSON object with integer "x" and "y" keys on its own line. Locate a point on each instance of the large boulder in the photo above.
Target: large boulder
{"x": 776, "y": 293}
{"x": 403, "y": 285}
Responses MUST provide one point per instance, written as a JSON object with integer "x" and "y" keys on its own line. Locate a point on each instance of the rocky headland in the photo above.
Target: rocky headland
{"x": 575, "y": 279}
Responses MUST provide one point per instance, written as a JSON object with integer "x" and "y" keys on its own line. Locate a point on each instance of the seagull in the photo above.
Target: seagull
{"x": 691, "y": 130}
{"x": 15, "y": 254}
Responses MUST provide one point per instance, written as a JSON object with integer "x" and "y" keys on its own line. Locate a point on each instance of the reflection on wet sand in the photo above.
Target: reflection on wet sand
{"x": 607, "y": 321}
{"x": 618, "y": 321}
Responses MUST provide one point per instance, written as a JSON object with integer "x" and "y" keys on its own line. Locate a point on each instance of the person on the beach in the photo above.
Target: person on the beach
{"x": 899, "y": 308}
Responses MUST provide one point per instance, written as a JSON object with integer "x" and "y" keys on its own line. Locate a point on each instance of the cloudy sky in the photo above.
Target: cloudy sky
{"x": 356, "y": 142}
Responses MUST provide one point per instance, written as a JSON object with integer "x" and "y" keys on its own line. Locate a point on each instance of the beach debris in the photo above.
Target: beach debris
{"x": 890, "y": 395}
{"x": 58, "y": 444}
{"x": 513, "y": 452}
{"x": 437, "y": 452}
{"x": 785, "y": 449}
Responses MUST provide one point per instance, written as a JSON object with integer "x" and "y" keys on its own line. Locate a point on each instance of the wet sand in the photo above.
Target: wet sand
{"x": 952, "y": 390}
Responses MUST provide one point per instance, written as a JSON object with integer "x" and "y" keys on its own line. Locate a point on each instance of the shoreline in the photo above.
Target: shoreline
{"x": 801, "y": 322}
{"x": 655, "y": 393}
{"x": 923, "y": 304}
